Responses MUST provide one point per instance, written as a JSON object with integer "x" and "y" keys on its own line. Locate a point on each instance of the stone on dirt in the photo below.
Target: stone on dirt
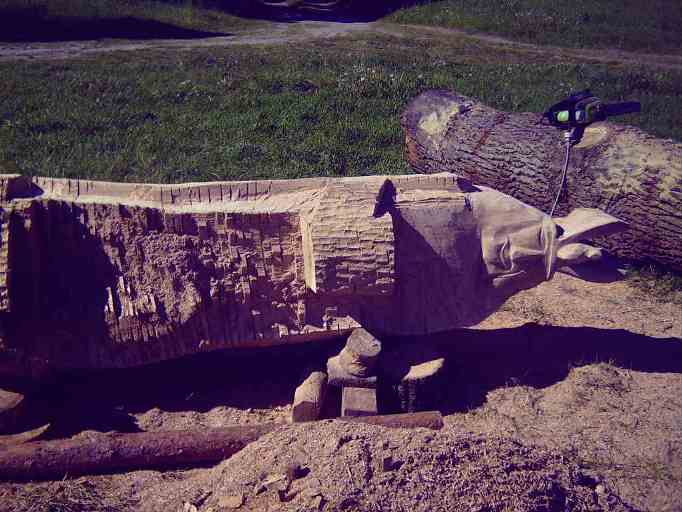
{"x": 276, "y": 481}
{"x": 189, "y": 507}
{"x": 231, "y": 502}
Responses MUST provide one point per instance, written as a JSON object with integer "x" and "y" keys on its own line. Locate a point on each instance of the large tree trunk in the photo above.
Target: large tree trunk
{"x": 106, "y": 453}
{"x": 619, "y": 169}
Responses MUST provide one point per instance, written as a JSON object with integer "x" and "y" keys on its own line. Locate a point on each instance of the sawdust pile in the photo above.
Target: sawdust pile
{"x": 339, "y": 466}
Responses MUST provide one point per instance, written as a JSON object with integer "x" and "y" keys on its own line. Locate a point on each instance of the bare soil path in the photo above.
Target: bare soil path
{"x": 306, "y": 31}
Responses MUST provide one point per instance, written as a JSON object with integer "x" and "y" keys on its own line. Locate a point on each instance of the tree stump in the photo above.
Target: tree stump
{"x": 618, "y": 169}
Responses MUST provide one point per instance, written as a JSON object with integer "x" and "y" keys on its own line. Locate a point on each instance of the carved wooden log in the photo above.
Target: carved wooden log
{"x": 618, "y": 169}
{"x": 123, "y": 274}
{"x": 106, "y": 453}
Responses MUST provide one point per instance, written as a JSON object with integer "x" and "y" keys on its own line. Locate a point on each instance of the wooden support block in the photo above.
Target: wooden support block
{"x": 413, "y": 378}
{"x": 360, "y": 354}
{"x": 309, "y": 397}
{"x": 337, "y": 376}
{"x": 358, "y": 402}
{"x": 421, "y": 388}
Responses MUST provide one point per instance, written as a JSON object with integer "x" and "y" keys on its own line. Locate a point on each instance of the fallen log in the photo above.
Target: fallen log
{"x": 109, "y": 453}
{"x": 619, "y": 169}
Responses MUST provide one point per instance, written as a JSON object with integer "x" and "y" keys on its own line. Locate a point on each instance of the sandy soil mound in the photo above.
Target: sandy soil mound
{"x": 339, "y": 466}
{"x": 622, "y": 424}
{"x": 370, "y": 468}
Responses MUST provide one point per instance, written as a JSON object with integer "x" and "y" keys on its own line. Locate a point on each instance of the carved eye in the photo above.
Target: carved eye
{"x": 559, "y": 231}
{"x": 504, "y": 256}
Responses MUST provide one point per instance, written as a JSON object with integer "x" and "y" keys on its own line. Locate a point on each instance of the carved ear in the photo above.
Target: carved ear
{"x": 587, "y": 223}
{"x": 574, "y": 254}
{"x": 385, "y": 198}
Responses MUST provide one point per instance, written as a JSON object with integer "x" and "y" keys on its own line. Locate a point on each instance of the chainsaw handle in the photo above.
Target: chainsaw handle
{"x": 625, "y": 107}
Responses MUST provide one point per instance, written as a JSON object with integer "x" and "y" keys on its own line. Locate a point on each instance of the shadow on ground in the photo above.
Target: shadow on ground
{"x": 244, "y": 379}
{"x": 477, "y": 363}
{"x": 29, "y": 25}
{"x": 540, "y": 356}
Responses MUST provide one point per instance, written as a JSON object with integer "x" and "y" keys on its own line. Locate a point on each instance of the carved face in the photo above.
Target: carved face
{"x": 521, "y": 246}
{"x": 518, "y": 242}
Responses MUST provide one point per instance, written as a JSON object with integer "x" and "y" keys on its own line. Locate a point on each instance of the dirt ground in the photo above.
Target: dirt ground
{"x": 306, "y": 31}
{"x": 568, "y": 398}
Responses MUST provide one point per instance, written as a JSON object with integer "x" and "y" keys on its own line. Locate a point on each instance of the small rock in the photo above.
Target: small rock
{"x": 275, "y": 481}
{"x": 200, "y": 498}
{"x": 296, "y": 470}
{"x": 188, "y": 507}
{"x": 600, "y": 489}
{"x": 387, "y": 463}
{"x": 317, "y": 503}
{"x": 308, "y": 487}
{"x": 231, "y": 502}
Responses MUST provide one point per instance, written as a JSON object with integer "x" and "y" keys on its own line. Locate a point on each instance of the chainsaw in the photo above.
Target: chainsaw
{"x": 575, "y": 113}
{"x": 581, "y": 109}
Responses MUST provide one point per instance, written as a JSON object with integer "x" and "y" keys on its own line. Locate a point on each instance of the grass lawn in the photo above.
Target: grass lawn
{"x": 330, "y": 108}
{"x": 648, "y": 26}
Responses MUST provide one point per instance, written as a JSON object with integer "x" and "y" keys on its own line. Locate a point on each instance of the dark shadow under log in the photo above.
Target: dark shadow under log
{"x": 619, "y": 169}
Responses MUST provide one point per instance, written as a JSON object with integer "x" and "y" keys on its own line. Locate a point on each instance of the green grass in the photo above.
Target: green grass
{"x": 181, "y": 13}
{"x": 652, "y": 26}
{"x": 656, "y": 281}
{"x": 276, "y": 112}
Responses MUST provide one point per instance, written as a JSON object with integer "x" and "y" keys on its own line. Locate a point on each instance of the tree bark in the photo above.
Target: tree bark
{"x": 619, "y": 169}
{"x": 107, "y": 453}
